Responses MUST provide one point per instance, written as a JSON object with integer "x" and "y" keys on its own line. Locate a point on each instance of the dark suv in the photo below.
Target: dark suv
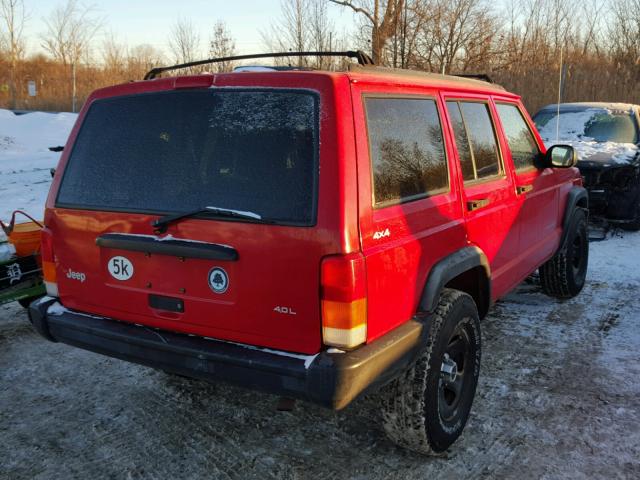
{"x": 312, "y": 234}
{"x": 606, "y": 137}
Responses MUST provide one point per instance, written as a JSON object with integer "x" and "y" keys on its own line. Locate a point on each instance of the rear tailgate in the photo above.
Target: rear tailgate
{"x": 139, "y": 157}
{"x": 271, "y": 292}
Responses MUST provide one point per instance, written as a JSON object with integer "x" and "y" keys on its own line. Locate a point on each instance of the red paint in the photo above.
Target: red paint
{"x": 279, "y": 268}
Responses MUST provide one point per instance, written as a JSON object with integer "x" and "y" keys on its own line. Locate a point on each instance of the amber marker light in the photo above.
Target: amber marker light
{"x": 344, "y": 301}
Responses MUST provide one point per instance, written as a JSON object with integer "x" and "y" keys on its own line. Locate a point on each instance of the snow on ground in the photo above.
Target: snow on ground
{"x": 571, "y": 132}
{"x": 558, "y": 398}
{"x": 25, "y": 159}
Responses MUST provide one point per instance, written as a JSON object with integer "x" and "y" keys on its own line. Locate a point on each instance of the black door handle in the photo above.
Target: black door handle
{"x": 524, "y": 189}
{"x": 476, "y": 204}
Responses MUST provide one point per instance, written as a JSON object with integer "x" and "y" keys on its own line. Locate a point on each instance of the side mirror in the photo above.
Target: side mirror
{"x": 561, "y": 156}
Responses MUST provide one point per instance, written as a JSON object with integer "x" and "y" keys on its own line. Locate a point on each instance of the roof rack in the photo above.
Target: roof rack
{"x": 399, "y": 72}
{"x": 363, "y": 59}
{"x": 478, "y": 76}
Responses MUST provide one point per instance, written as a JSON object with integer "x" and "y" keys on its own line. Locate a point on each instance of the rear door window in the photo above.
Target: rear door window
{"x": 248, "y": 150}
{"x": 407, "y": 149}
{"x": 462, "y": 141}
{"x": 475, "y": 140}
{"x": 524, "y": 148}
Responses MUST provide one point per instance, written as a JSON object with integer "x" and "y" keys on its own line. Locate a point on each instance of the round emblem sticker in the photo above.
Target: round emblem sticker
{"x": 218, "y": 280}
{"x": 120, "y": 268}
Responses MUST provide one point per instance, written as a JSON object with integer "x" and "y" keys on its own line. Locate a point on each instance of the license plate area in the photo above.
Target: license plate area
{"x": 168, "y": 304}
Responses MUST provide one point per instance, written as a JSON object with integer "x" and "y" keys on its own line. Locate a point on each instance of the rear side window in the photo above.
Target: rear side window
{"x": 407, "y": 149}
{"x": 475, "y": 140}
{"x": 248, "y": 150}
{"x": 462, "y": 141}
{"x": 524, "y": 149}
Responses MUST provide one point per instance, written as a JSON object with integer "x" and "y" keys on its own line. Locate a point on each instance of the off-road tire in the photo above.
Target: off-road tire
{"x": 564, "y": 275}
{"x": 411, "y": 408}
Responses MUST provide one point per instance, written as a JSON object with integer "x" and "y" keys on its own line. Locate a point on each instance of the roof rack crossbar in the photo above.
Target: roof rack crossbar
{"x": 363, "y": 59}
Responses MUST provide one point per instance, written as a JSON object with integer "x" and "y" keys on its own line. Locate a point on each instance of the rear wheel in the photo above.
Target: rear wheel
{"x": 565, "y": 273}
{"x": 426, "y": 409}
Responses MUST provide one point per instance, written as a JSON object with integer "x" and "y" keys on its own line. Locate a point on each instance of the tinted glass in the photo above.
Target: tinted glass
{"x": 462, "y": 141}
{"x": 407, "y": 148}
{"x": 169, "y": 152}
{"x": 612, "y": 128}
{"x": 482, "y": 139}
{"x": 524, "y": 149}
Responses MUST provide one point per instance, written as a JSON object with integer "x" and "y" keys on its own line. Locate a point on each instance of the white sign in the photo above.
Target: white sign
{"x": 31, "y": 86}
{"x": 218, "y": 280}
{"x": 120, "y": 268}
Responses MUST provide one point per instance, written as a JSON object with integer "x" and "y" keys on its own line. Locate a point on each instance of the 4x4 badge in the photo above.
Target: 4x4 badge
{"x": 218, "y": 280}
{"x": 381, "y": 234}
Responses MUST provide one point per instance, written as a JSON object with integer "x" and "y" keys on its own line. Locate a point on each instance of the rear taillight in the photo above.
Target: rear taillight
{"x": 344, "y": 300}
{"x": 48, "y": 263}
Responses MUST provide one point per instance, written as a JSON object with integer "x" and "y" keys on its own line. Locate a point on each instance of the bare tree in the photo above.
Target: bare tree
{"x": 12, "y": 22}
{"x": 321, "y": 33}
{"x": 592, "y": 11}
{"x": 624, "y": 31}
{"x": 457, "y": 35}
{"x": 402, "y": 47}
{"x": 114, "y": 55}
{"x": 290, "y": 32}
{"x": 70, "y": 30}
{"x": 184, "y": 42}
{"x": 221, "y": 45}
{"x": 383, "y": 17}
{"x": 143, "y": 58}
{"x": 303, "y": 26}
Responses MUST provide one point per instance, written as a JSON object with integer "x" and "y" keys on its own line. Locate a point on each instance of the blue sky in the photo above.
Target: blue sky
{"x": 150, "y": 21}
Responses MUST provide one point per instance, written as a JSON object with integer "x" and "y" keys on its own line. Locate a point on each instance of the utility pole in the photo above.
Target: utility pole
{"x": 73, "y": 87}
{"x": 559, "y": 96}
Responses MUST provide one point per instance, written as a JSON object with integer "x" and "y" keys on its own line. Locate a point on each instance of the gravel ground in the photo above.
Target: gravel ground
{"x": 558, "y": 397}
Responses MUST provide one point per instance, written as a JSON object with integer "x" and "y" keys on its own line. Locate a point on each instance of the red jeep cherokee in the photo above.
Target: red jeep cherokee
{"x": 312, "y": 234}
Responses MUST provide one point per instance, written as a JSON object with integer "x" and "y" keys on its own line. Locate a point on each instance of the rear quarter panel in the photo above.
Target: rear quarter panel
{"x": 421, "y": 232}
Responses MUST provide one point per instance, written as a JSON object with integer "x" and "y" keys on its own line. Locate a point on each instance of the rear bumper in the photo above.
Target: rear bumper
{"x": 332, "y": 380}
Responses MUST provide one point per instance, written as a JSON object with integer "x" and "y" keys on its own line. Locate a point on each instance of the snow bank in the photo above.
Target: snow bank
{"x": 25, "y": 159}
{"x": 571, "y": 132}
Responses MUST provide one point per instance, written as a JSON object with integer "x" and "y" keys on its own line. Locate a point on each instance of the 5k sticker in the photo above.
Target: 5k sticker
{"x": 120, "y": 268}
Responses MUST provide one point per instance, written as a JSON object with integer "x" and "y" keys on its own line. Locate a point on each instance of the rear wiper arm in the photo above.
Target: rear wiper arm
{"x": 160, "y": 225}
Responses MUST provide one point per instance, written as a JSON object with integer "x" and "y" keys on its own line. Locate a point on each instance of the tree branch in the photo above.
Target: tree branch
{"x": 356, "y": 9}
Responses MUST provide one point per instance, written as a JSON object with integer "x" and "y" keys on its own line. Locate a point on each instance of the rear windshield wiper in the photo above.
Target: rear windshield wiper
{"x": 160, "y": 225}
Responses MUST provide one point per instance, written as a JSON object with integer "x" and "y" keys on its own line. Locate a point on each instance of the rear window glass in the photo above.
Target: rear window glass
{"x": 407, "y": 149}
{"x": 249, "y": 150}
